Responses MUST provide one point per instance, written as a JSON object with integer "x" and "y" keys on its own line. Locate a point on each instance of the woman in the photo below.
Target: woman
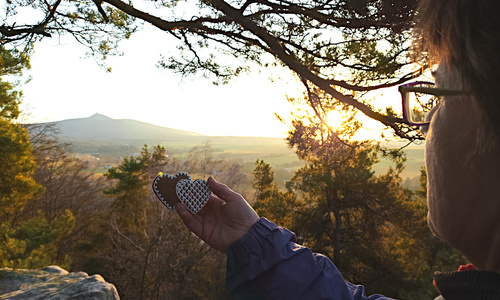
{"x": 463, "y": 167}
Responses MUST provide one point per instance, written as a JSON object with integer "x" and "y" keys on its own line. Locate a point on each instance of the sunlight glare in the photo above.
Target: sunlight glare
{"x": 334, "y": 119}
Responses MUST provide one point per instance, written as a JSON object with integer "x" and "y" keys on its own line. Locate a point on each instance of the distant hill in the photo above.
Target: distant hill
{"x": 100, "y": 134}
{"x": 101, "y": 128}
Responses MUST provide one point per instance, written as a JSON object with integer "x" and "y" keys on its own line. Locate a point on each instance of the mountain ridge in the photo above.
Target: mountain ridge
{"x": 101, "y": 134}
{"x": 99, "y": 127}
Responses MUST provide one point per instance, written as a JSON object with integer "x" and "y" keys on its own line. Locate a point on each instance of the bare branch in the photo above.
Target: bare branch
{"x": 12, "y": 31}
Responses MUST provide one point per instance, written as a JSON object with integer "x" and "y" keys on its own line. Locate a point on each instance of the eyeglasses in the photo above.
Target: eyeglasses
{"x": 418, "y": 100}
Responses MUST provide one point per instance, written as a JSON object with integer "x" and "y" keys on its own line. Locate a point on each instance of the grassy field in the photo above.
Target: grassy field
{"x": 276, "y": 153}
{"x": 246, "y": 150}
{"x": 111, "y": 140}
{"x": 414, "y": 161}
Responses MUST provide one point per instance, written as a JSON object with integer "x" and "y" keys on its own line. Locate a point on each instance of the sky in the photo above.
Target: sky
{"x": 65, "y": 84}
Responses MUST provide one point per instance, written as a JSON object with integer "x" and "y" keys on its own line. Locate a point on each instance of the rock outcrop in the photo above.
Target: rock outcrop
{"x": 53, "y": 283}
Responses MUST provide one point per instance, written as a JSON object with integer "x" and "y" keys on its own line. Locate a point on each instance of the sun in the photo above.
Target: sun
{"x": 334, "y": 119}
{"x": 370, "y": 129}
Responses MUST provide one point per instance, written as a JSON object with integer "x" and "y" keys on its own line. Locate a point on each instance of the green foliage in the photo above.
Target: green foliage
{"x": 270, "y": 202}
{"x": 38, "y": 231}
{"x": 131, "y": 239}
{"x": 98, "y": 29}
{"x": 422, "y": 192}
{"x": 374, "y": 230}
{"x": 263, "y": 181}
{"x": 33, "y": 244}
{"x": 24, "y": 242}
{"x": 153, "y": 256}
{"x": 16, "y": 169}
{"x": 16, "y": 160}
{"x": 130, "y": 190}
{"x": 9, "y": 103}
{"x": 12, "y": 62}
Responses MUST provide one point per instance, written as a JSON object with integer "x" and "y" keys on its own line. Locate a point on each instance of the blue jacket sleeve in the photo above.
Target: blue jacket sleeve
{"x": 266, "y": 263}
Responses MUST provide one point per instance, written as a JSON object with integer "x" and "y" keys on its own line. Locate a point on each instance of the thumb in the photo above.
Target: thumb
{"x": 222, "y": 191}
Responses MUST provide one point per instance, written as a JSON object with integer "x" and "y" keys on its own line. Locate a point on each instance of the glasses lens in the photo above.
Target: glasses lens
{"x": 420, "y": 104}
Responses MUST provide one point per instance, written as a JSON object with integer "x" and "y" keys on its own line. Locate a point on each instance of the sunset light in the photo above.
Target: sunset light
{"x": 212, "y": 149}
{"x": 334, "y": 119}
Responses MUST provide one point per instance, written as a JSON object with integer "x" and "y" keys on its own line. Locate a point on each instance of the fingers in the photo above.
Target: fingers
{"x": 222, "y": 191}
{"x": 189, "y": 219}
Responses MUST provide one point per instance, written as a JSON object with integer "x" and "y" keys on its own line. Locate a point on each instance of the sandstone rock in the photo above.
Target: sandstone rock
{"x": 54, "y": 283}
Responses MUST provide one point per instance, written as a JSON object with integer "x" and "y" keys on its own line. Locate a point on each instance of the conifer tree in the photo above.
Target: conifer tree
{"x": 270, "y": 202}
{"x": 24, "y": 243}
{"x": 16, "y": 160}
{"x": 132, "y": 179}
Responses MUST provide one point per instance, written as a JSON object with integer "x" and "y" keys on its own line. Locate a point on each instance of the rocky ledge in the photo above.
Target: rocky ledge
{"x": 53, "y": 283}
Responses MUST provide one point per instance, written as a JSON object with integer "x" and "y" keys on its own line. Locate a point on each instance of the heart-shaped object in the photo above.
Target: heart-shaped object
{"x": 164, "y": 188}
{"x": 193, "y": 194}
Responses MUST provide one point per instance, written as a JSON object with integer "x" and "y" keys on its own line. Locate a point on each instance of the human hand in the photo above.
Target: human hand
{"x": 224, "y": 219}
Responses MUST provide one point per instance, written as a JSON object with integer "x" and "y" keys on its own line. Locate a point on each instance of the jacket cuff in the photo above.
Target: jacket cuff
{"x": 263, "y": 237}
